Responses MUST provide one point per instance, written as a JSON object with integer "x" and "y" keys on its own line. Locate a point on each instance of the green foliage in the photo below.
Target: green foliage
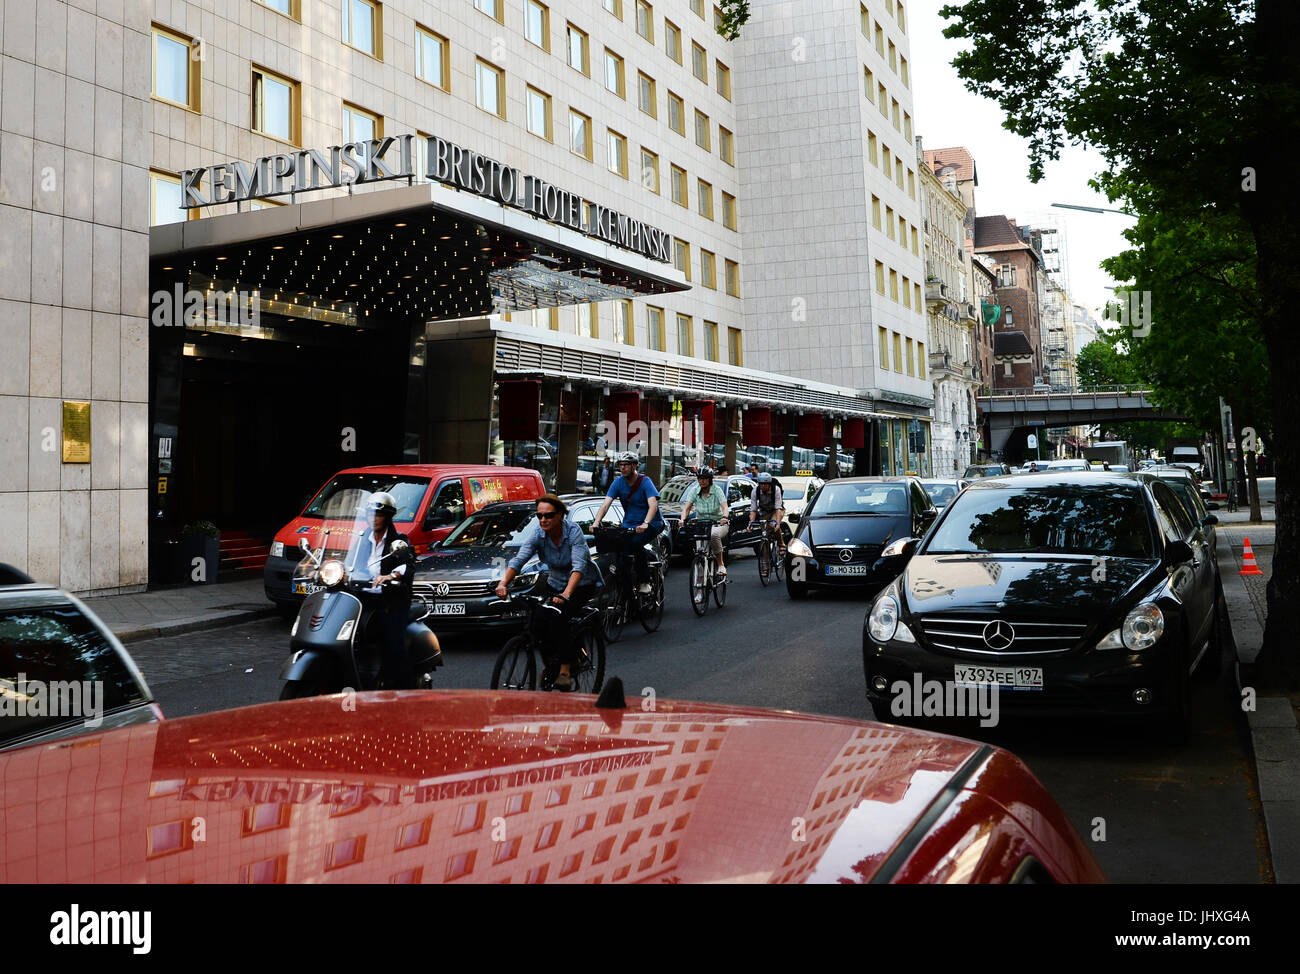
{"x": 205, "y": 528}
{"x": 735, "y": 13}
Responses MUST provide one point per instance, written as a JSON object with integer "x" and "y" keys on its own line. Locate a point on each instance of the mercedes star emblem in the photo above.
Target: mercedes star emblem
{"x": 443, "y": 588}
{"x": 998, "y": 634}
{"x": 846, "y": 554}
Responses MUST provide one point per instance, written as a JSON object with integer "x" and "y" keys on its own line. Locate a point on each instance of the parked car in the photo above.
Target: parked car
{"x": 431, "y": 500}
{"x": 408, "y": 788}
{"x": 1073, "y": 592}
{"x": 62, "y": 671}
{"x": 739, "y": 490}
{"x": 1181, "y": 483}
{"x": 977, "y": 470}
{"x": 460, "y": 575}
{"x": 856, "y": 533}
{"x": 942, "y": 491}
{"x": 796, "y": 492}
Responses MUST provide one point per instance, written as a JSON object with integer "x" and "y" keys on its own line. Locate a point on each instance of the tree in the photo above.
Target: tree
{"x": 1188, "y": 102}
{"x": 734, "y": 15}
{"x": 1106, "y": 362}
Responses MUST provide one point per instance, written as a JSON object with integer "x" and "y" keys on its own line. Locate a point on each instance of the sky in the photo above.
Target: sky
{"x": 949, "y": 115}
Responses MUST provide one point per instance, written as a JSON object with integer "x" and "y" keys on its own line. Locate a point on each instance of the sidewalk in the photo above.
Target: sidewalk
{"x": 170, "y": 611}
{"x": 1275, "y": 737}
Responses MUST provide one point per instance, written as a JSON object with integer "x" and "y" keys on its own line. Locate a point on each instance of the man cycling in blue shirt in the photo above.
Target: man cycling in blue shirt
{"x": 640, "y": 513}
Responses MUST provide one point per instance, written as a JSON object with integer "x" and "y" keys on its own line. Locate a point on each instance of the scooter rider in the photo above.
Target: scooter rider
{"x": 560, "y": 545}
{"x": 385, "y": 556}
{"x": 640, "y": 512}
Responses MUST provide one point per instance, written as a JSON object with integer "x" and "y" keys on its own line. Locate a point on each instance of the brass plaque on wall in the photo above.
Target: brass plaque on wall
{"x": 76, "y": 432}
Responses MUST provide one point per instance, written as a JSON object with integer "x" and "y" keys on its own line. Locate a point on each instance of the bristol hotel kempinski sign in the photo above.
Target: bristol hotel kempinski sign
{"x": 393, "y": 157}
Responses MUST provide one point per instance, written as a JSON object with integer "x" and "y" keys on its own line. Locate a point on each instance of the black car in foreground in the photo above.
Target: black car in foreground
{"x": 1069, "y": 592}
{"x": 858, "y": 531}
{"x": 460, "y": 574}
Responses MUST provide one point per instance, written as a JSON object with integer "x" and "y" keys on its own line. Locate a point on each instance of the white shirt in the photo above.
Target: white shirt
{"x": 376, "y": 557}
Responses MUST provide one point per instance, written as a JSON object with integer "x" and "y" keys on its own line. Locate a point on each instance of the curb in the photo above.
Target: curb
{"x": 212, "y": 620}
{"x": 1274, "y": 736}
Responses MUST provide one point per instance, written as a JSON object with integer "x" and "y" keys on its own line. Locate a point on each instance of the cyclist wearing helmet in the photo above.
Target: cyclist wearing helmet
{"x": 769, "y": 502}
{"x": 710, "y": 503}
{"x": 384, "y": 555}
{"x": 640, "y": 513}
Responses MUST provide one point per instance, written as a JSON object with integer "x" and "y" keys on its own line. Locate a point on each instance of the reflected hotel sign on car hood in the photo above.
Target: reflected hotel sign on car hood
{"x": 371, "y": 161}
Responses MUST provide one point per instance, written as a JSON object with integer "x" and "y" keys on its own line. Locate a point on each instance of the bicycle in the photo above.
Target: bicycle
{"x": 516, "y": 665}
{"x": 621, "y": 600}
{"x": 703, "y": 576}
{"x": 771, "y": 559}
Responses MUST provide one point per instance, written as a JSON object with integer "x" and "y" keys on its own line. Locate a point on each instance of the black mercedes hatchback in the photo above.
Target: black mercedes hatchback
{"x": 1067, "y": 592}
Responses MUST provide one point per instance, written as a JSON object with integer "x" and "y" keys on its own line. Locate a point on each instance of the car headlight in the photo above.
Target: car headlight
{"x": 331, "y": 573}
{"x": 1143, "y": 626}
{"x": 798, "y": 549}
{"x": 277, "y": 549}
{"x": 882, "y": 623}
{"x": 895, "y": 548}
{"x": 526, "y": 580}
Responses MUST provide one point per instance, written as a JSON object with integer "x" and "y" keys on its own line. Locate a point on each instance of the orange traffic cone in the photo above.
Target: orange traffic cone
{"x": 1248, "y": 566}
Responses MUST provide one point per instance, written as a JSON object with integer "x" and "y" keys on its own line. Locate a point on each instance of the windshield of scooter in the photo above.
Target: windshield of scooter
{"x": 349, "y": 542}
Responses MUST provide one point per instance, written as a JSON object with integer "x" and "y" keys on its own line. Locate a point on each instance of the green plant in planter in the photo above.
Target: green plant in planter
{"x": 203, "y": 528}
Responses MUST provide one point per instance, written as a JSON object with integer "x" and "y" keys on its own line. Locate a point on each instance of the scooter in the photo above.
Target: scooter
{"x": 330, "y": 649}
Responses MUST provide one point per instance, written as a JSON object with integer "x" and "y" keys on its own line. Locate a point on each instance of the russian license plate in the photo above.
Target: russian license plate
{"x": 449, "y": 609}
{"x": 306, "y": 588}
{"x": 1011, "y": 677}
{"x": 846, "y": 569}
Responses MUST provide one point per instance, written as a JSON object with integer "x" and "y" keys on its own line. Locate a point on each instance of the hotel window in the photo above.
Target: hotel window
{"x": 645, "y": 20}
{"x": 264, "y": 818}
{"x": 726, "y": 146}
{"x": 345, "y": 852}
{"x": 920, "y": 360}
{"x": 271, "y": 870}
{"x": 579, "y": 55}
{"x": 646, "y": 97}
{"x": 883, "y": 338}
{"x": 165, "y": 200}
{"x": 887, "y": 163}
{"x": 907, "y": 81}
{"x": 902, "y": 231}
{"x": 363, "y": 26}
{"x": 459, "y": 865}
{"x": 655, "y": 328}
{"x": 650, "y": 170}
{"x": 868, "y": 83}
{"x": 432, "y": 61}
{"x": 733, "y": 278}
{"x": 902, "y": 23}
{"x": 580, "y": 134}
{"x": 624, "y": 332}
{"x": 722, "y": 78}
{"x": 679, "y": 186}
{"x": 682, "y": 257}
{"x": 614, "y": 6}
{"x": 880, "y": 40}
{"x": 729, "y": 211}
{"x": 697, "y": 8}
{"x": 673, "y": 41}
{"x": 893, "y": 104}
{"x": 907, "y": 126}
{"x": 898, "y": 353}
{"x": 676, "y": 113}
{"x": 916, "y": 289}
{"x": 893, "y": 284}
{"x": 1006, "y": 276}
{"x": 898, "y": 172}
{"x": 875, "y": 212}
{"x": 168, "y": 837}
{"x": 685, "y": 335}
{"x": 873, "y": 148}
{"x": 588, "y": 323}
{"x": 538, "y": 105}
{"x": 537, "y": 24}
{"x": 882, "y": 100}
{"x": 275, "y": 106}
{"x": 490, "y": 88}
{"x": 914, "y": 250}
{"x": 617, "y": 145}
{"x": 493, "y": 8}
{"x": 717, "y": 17}
{"x": 880, "y": 278}
{"x": 708, "y": 270}
{"x": 1008, "y": 316}
{"x": 907, "y": 293}
{"x": 285, "y": 7}
{"x": 699, "y": 62}
{"x": 614, "y": 73}
{"x": 889, "y": 222}
{"x": 735, "y": 350}
{"x": 911, "y": 367}
{"x": 864, "y": 21}
{"x": 711, "y": 341}
{"x": 704, "y": 198}
{"x": 893, "y": 58}
{"x": 176, "y": 74}
{"x": 911, "y": 184}
{"x": 702, "y": 130}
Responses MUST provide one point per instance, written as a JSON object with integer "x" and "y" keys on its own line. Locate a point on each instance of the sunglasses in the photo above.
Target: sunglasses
{"x": 542, "y": 517}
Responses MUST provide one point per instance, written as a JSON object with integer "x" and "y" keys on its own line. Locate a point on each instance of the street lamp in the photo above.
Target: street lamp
{"x": 1093, "y": 209}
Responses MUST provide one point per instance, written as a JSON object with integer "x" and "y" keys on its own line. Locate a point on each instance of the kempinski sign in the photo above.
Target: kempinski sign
{"x": 372, "y": 161}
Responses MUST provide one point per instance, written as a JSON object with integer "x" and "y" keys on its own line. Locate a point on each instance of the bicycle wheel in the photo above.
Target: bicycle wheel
{"x": 778, "y": 563}
{"x": 614, "y": 611}
{"x": 652, "y": 605}
{"x": 589, "y": 667}
{"x": 719, "y": 589}
{"x": 516, "y": 668}
{"x": 699, "y": 584}
{"x": 764, "y": 562}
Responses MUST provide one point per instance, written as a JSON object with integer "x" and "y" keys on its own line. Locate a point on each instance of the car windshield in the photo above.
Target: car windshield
{"x": 342, "y": 496}
{"x": 1103, "y": 520}
{"x": 862, "y": 499}
{"x": 793, "y": 490}
{"x": 491, "y": 529}
{"x": 54, "y": 654}
{"x": 675, "y": 488}
{"x": 941, "y": 494}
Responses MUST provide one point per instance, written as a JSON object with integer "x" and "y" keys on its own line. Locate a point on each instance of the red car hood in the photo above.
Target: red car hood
{"x": 479, "y": 786}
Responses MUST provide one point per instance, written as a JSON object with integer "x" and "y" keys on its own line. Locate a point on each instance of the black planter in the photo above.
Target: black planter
{"x": 181, "y": 555}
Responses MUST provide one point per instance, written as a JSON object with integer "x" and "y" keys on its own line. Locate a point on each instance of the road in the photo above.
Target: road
{"x": 1167, "y": 813}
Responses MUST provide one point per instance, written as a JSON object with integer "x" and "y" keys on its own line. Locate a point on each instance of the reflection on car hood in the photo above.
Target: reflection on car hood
{"x": 853, "y": 529}
{"x": 465, "y": 564}
{"x": 1052, "y": 584}
{"x": 688, "y": 793}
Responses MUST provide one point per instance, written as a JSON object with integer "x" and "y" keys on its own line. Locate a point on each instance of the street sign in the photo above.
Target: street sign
{"x": 1032, "y": 442}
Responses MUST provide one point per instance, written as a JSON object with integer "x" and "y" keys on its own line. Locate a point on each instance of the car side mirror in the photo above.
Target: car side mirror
{"x": 1212, "y": 506}
{"x": 1209, "y": 520}
{"x": 1178, "y": 552}
{"x": 302, "y": 543}
{"x": 794, "y": 517}
{"x": 929, "y": 514}
{"x": 438, "y": 518}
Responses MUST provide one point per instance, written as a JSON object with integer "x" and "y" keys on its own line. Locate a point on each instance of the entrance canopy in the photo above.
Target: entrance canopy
{"x": 427, "y": 251}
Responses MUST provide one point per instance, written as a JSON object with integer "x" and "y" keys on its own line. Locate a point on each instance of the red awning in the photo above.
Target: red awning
{"x": 853, "y": 434}
{"x": 758, "y": 425}
{"x": 811, "y": 431}
{"x": 622, "y": 409}
{"x": 693, "y": 409}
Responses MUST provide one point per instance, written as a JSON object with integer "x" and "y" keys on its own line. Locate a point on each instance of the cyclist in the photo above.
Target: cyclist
{"x": 640, "y": 512}
{"x": 710, "y": 503}
{"x": 769, "y": 502}
{"x": 559, "y": 543}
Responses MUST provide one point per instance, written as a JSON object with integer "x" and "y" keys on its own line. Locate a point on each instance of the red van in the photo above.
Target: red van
{"x": 432, "y": 498}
